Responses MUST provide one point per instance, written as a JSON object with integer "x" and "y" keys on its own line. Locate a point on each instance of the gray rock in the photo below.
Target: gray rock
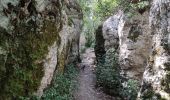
{"x": 38, "y": 38}
{"x": 157, "y": 71}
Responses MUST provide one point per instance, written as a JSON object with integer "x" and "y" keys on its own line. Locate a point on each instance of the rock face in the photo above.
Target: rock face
{"x": 143, "y": 44}
{"x": 130, "y": 37}
{"x": 110, "y": 31}
{"x": 156, "y": 78}
{"x": 135, "y": 45}
{"x": 38, "y": 37}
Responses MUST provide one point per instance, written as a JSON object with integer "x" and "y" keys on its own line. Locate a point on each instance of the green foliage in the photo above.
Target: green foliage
{"x": 130, "y": 90}
{"x": 33, "y": 97}
{"x": 96, "y": 11}
{"x": 89, "y": 40}
{"x": 107, "y": 73}
{"x": 108, "y": 77}
{"x": 88, "y": 20}
{"x": 63, "y": 85}
{"x": 140, "y": 5}
{"x": 105, "y": 8}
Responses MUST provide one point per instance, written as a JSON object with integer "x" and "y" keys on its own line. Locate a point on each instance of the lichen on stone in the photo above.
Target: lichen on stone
{"x": 27, "y": 34}
{"x": 25, "y": 49}
{"x": 134, "y": 33}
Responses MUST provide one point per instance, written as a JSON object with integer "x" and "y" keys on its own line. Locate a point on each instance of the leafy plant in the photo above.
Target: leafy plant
{"x": 139, "y": 5}
{"x": 63, "y": 85}
{"x": 105, "y": 8}
{"x": 107, "y": 73}
{"x": 130, "y": 89}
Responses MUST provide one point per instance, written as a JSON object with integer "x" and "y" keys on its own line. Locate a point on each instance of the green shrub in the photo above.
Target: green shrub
{"x": 63, "y": 86}
{"x": 130, "y": 89}
{"x": 90, "y": 41}
{"x": 107, "y": 73}
{"x": 105, "y": 8}
{"x": 33, "y": 97}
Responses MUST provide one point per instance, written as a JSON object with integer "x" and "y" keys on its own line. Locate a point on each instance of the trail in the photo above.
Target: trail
{"x": 87, "y": 80}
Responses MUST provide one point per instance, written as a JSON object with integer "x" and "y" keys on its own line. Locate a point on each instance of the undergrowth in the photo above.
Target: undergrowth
{"x": 109, "y": 78}
{"x": 107, "y": 73}
{"x": 130, "y": 89}
{"x": 63, "y": 85}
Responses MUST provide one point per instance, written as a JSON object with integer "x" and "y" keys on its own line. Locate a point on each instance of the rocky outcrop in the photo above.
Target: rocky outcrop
{"x": 143, "y": 44}
{"x": 135, "y": 45}
{"x": 156, "y": 78}
{"x": 110, "y": 31}
{"x": 130, "y": 37}
{"x": 38, "y": 38}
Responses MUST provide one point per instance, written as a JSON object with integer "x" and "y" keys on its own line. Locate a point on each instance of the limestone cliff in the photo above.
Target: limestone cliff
{"x": 143, "y": 44}
{"x": 130, "y": 37}
{"x": 37, "y": 39}
{"x": 135, "y": 44}
{"x": 156, "y": 78}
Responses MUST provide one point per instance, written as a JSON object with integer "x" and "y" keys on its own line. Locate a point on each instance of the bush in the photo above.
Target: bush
{"x": 90, "y": 41}
{"x": 63, "y": 86}
{"x": 108, "y": 77}
{"x": 105, "y": 8}
{"x": 107, "y": 73}
{"x": 32, "y": 97}
{"x": 130, "y": 89}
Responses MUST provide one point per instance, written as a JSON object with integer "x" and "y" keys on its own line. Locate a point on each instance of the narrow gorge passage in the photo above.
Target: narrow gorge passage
{"x": 87, "y": 79}
{"x": 42, "y": 41}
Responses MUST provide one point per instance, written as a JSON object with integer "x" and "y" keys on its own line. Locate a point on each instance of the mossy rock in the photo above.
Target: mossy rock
{"x": 21, "y": 63}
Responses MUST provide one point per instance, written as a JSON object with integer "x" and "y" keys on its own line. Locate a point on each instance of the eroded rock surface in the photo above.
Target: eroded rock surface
{"x": 142, "y": 42}
{"x": 38, "y": 37}
{"x": 130, "y": 37}
{"x": 110, "y": 31}
{"x": 156, "y": 78}
{"x": 135, "y": 45}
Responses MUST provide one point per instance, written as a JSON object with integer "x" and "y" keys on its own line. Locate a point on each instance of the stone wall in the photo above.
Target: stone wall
{"x": 38, "y": 38}
{"x": 142, "y": 42}
{"x": 130, "y": 37}
{"x": 156, "y": 78}
{"x": 135, "y": 44}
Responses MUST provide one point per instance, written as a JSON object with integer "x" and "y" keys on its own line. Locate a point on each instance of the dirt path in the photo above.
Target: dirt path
{"x": 87, "y": 79}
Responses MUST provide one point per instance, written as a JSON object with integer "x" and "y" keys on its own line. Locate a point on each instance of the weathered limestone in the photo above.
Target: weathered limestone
{"x": 38, "y": 38}
{"x": 110, "y": 31}
{"x": 143, "y": 44}
{"x": 130, "y": 37}
{"x": 156, "y": 78}
{"x": 143, "y": 41}
{"x": 135, "y": 45}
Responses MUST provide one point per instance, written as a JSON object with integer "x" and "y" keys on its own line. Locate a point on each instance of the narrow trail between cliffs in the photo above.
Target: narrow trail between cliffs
{"x": 87, "y": 79}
